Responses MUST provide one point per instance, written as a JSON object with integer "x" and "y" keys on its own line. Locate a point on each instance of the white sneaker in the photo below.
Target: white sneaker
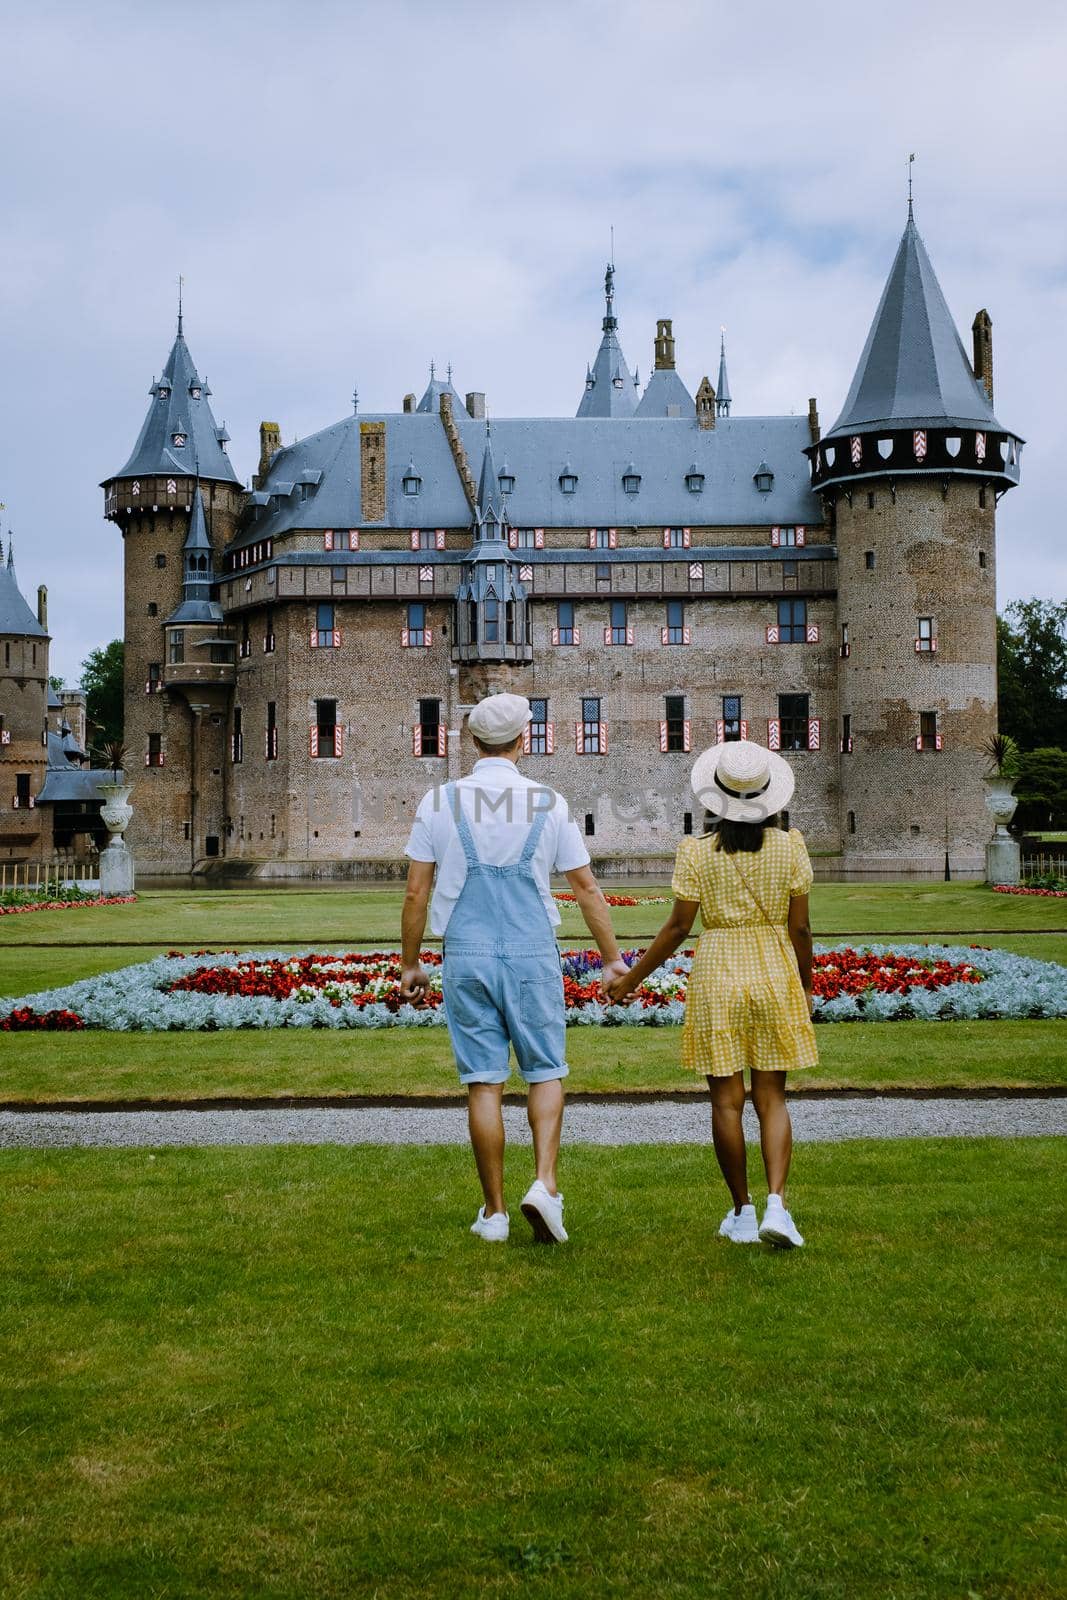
{"x": 494, "y": 1228}
{"x": 778, "y": 1228}
{"x": 544, "y": 1213}
{"x": 741, "y": 1227}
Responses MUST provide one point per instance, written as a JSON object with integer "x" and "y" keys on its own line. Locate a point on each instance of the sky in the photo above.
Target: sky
{"x": 351, "y": 190}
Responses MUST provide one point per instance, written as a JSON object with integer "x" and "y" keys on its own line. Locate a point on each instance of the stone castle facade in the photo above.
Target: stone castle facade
{"x": 656, "y": 573}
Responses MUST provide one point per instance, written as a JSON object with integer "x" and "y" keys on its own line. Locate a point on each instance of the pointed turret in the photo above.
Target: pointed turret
{"x": 16, "y": 615}
{"x": 609, "y": 386}
{"x": 198, "y": 570}
{"x": 488, "y": 514}
{"x": 431, "y": 399}
{"x": 179, "y": 429}
{"x": 722, "y": 388}
{"x": 491, "y": 622}
{"x": 914, "y": 389}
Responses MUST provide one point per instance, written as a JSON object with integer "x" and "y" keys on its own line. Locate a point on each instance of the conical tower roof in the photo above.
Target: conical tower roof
{"x": 198, "y": 578}
{"x": 16, "y": 614}
{"x": 179, "y": 410}
{"x": 610, "y": 390}
{"x": 914, "y": 370}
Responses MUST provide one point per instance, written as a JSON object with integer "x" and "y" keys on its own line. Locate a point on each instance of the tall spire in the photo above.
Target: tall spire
{"x": 181, "y": 285}
{"x": 179, "y": 431}
{"x": 16, "y": 615}
{"x": 722, "y": 390}
{"x": 609, "y": 386}
{"x": 198, "y": 574}
{"x": 488, "y": 513}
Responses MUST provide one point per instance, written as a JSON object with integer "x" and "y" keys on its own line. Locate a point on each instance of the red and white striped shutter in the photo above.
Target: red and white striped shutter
{"x": 539, "y": 538}
{"x": 663, "y": 736}
{"x": 686, "y": 635}
{"x": 814, "y": 733}
{"x": 666, "y": 538}
{"x": 442, "y": 739}
{"x": 338, "y": 740}
{"x": 337, "y": 638}
{"x": 687, "y": 538}
{"x": 513, "y": 539}
{"x": 427, "y": 634}
{"x": 772, "y": 633}
{"x": 613, "y": 538}
{"x": 526, "y": 740}
{"x": 696, "y": 571}
{"x": 664, "y": 635}
{"x": 720, "y": 731}
{"x": 416, "y": 739}
{"x": 555, "y": 636}
{"x": 774, "y": 734}
{"x": 592, "y": 538}
{"x": 577, "y": 635}
{"x": 801, "y": 532}
{"x": 414, "y": 538}
{"x": 163, "y": 762}
{"x": 813, "y": 633}
{"x": 439, "y": 538}
{"x": 603, "y": 738}
{"x": 979, "y": 447}
{"x": 405, "y": 637}
{"x": 313, "y": 739}
{"x": 744, "y": 730}
{"x": 579, "y": 738}
{"x": 550, "y": 738}
{"x": 327, "y": 539}
{"x": 937, "y": 741}
{"x": 629, "y": 635}
{"x": 353, "y": 538}
{"x": 685, "y": 734}
{"x": 933, "y": 645}
{"x": 918, "y": 741}
{"x": 776, "y": 536}
{"x": 314, "y": 638}
{"x": 526, "y": 574}
{"x": 425, "y": 574}
{"x": 607, "y": 635}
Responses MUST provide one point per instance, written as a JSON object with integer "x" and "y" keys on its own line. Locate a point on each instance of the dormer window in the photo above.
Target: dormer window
{"x": 589, "y": 380}
{"x": 568, "y": 480}
{"x": 195, "y": 390}
{"x": 763, "y": 478}
{"x": 164, "y": 386}
{"x": 694, "y": 480}
{"x": 506, "y": 479}
{"x": 631, "y": 480}
{"x": 616, "y": 382}
{"x": 411, "y": 482}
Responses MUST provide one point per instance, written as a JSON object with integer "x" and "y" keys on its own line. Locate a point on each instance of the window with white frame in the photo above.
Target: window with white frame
{"x": 926, "y": 641}
{"x": 674, "y": 729}
{"x": 591, "y": 733}
{"x": 676, "y": 631}
{"x": 539, "y": 734}
{"x": 565, "y": 631}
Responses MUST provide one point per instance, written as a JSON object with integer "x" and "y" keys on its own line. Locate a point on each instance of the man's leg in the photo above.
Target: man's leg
{"x": 485, "y": 1118}
{"x": 544, "y": 1108}
{"x": 775, "y": 1128}
{"x": 728, "y": 1134}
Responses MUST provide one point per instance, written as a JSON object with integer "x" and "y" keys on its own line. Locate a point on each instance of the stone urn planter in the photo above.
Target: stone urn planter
{"x": 1000, "y": 803}
{"x": 1002, "y": 855}
{"x": 116, "y": 863}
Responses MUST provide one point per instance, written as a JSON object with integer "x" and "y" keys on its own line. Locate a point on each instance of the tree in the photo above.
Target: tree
{"x": 102, "y": 683}
{"x": 1032, "y": 672}
{"x": 1041, "y": 790}
{"x": 56, "y": 683}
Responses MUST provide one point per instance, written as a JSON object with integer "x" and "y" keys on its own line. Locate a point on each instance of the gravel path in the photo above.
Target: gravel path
{"x": 615, "y": 1124}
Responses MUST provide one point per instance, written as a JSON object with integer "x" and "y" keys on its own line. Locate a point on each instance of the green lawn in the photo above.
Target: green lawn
{"x": 401, "y": 1061}
{"x": 190, "y": 919}
{"x": 291, "y": 1373}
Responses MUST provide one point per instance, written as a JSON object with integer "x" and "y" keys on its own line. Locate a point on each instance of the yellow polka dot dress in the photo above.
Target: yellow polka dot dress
{"x": 745, "y": 1005}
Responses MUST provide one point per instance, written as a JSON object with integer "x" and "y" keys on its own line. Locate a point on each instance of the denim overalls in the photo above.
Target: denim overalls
{"x": 501, "y": 973}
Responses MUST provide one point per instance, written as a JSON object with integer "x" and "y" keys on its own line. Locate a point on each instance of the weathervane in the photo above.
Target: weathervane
{"x": 181, "y": 285}
{"x": 911, "y": 163}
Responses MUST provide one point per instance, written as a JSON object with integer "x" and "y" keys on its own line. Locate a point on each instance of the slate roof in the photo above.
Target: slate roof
{"x": 63, "y": 780}
{"x": 610, "y": 389}
{"x": 597, "y": 449}
{"x": 431, "y": 400}
{"x": 723, "y": 399}
{"x": 175, "y": 409}
{"x": 666, "y": 396}
{"x": 16, "y": 614}
{"x": 914, "y": 369}
{"x": 196, "y": 604}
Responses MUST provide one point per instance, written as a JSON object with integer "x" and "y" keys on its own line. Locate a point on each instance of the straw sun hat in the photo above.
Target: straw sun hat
{"x": 742, "y": 781}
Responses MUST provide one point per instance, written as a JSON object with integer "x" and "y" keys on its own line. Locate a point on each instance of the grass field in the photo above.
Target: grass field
{"x": 292, "y": 1373}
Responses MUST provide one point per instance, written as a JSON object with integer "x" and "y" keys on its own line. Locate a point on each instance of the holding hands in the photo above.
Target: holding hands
{"x": 615, "y": 981}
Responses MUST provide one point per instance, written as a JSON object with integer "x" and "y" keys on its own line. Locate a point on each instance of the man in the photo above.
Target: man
{"x": 494, "y": 839}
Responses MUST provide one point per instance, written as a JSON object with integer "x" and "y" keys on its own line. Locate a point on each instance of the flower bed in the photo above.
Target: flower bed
{"x": 619, "y": 899}
{"x": 1021, "y": 888}
{"x": 11, "y": 908}
{"x": 176, "y": 992}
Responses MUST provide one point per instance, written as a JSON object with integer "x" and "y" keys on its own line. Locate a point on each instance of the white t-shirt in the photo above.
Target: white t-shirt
{"x": 500, "y": 803}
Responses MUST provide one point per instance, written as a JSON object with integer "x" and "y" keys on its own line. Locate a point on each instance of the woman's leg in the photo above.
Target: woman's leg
{"x": 728, "y": 1134}
{"x": 775, "y": 1128}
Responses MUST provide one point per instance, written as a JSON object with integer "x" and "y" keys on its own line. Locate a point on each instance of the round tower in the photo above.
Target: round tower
{"x": 177, "y": 486}
{"x": 24, "y": 643}
{"x": 911, "y": 473}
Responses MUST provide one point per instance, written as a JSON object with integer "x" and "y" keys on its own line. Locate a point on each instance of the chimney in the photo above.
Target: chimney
{"x": 664, "y": 346}
{"x": 982, "y": 333}
{"x": 42, "y": 607}
{"x": 813, "y": 420}
{"x": 270, "y": 439}
{"x": 476, "y": 405}
{"x": 409, "y": 404}
{"x": 705, "y": 404}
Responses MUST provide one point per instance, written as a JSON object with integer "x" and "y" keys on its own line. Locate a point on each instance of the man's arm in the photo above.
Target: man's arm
{"x": 674, "y": 930}
{"x": 414, "y": 979}
{"x": 800, "y": 938}
{"x": 594, "y": 908}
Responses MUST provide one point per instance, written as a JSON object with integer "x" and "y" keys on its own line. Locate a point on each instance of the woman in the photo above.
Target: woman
{"x": 749, "y": 997}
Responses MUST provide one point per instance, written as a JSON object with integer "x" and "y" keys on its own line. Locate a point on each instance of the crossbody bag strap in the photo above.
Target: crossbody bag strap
{"x": 760, "y": 906}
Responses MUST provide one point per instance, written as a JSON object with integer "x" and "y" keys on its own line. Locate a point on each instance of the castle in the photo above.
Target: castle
{"x": 656, "y": 573}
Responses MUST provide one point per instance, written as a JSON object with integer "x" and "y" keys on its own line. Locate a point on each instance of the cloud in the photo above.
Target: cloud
{"x": 352, "y": 189}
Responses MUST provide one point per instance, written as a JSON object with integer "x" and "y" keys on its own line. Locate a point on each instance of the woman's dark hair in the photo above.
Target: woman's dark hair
{"x": 743, "y": 836}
